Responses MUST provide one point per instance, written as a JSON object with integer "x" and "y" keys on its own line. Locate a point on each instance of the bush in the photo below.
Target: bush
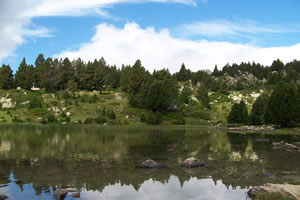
{"x": 100, "y": 120}
{"x": 88, "y": 120}
{"x": 16, "y": 119}
{"x": 111, "y": 114}
{"x": 179, "y": 121}
{"x": 35, "y": 102}
{"x": 153, "y": 119}
{"x": 39, "y": 111}
{"x": 63, "y": 114}
{"x": 142, "y": 118}
{"x": 51, "y": 118}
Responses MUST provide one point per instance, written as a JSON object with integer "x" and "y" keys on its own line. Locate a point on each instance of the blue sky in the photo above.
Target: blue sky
{"x": 162, "y": 33}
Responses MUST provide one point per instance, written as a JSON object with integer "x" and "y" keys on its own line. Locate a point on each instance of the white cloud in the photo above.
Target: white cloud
{"x": 228, "y": 29}
{"x": 16, "y": 15}
{"x": 85, "y": 7}
{"x": 159, "y": 49}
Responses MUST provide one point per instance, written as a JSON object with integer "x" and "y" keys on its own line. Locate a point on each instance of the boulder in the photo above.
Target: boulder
{"x": 2, "y": 197}
{"x": 286, "y": 190}
{"x": 192, "y": 163}
{"x": 285, "y": 146}
{"x": 76, "y": 194}
{"x": 150, "y": 164}
{"x": 60, "y": 194}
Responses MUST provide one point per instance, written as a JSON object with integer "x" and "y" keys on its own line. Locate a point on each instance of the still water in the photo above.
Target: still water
{"x": 100, "y": 162}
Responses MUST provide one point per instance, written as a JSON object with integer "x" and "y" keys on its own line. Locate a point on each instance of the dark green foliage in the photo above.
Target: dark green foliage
{"x": 63, "y": 114}
{"x": 162, "y": 94}
{"x": 65, "y": 73}
{"x": 139, "y": 81}
{"x": 48, "y": 75}
{"x": 282, "y": 107}
{"x": 25, "y": 76}
{"x": 183, "y": 74}
{"x": 185, "y": 95}
{"x": 153, "y": 118}
{"x": 238, "y": 113}
{"x": 277, "y": 65}
{"x": 258, "y": 110}
{"x": 142, "y": 118}
{"x": 35, "y": 102}
{"x": 6, "y": 78}
{"x": 111, "y": 114}
{"x": 51, "y": 118}
{"x": 16, "y": 119}
{"x": 179, "y": 121}
{"x": 202, "y": 96}
{"x": 88, "y": 120}
{"x": 100, "y": 120}
{"x": 39, "y": 111}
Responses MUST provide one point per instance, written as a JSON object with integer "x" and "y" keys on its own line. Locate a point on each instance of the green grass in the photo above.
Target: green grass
{"x": 272, "y": 196}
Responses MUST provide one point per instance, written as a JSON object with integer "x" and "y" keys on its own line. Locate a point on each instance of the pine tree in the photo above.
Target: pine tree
{"x": 6, "y": 78}
{"x": 238, "y": 113}
{"x": 258, "y": 110}
{"x": 282, "y": 105}
{"x": 202, "y": 96}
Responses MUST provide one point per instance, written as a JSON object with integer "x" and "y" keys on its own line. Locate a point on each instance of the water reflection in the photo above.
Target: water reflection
{"x": 98, "y": 160}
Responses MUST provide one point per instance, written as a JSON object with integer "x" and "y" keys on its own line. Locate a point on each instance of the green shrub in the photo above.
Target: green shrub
{"x": 272, "y": 196}
{"x": 142, "y": 118}
{"x": 35, "y": 102}
{"x": 63, "y": 114}
{"x": 51, "y": 118}
{"x": 100, "y": 120}
{"x": 39, "y": 111}
{"x": 88, "y": 120}
{"x": 179, "y": 121}
{"x": 153, "y": 119}
{"x": 111, "y": 114}
{"x": 16, "y": 119}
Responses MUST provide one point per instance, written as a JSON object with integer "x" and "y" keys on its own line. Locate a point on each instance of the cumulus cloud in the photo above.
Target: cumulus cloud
{"x": 15, "y": 26}
{"x": 16, "y": 17}
{"x": 158, "y": 49}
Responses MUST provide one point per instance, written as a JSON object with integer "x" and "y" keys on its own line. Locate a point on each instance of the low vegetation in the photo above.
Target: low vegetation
{"x": 61, "y": 91}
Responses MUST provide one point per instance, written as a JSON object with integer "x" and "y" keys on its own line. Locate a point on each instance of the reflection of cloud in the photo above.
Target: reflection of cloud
{"x": 194, "y": 189}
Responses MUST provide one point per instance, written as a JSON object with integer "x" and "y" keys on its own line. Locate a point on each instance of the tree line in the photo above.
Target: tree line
{"x": 160, "y": 90}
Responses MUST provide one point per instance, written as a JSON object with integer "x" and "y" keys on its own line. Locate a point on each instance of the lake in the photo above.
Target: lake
{"x": 100, "y": 162}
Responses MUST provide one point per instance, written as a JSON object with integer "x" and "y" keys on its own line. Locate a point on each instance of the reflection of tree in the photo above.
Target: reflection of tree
{"x": 96, "y": 157}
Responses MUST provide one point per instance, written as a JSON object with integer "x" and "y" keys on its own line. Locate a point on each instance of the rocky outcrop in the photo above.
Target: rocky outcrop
{"x": 252, "y": 128}
{"x": 148, "y": 164}
{"x": 2, "y": 197}
{"x": 192, "y": 163}
{"x": 285, "y": 146}
{"x": 286, "y": 190}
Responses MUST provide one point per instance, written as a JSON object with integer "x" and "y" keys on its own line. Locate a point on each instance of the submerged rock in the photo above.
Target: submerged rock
{"x": 285, "y": 146}
{"x": 150, "y": 164}
{"x": 2, "y": 197}
{"x": 192, "y": 163}
{"x": 286, "y": 190}
{"x": 76, "y": 194}
{"x": 60, "y": 194}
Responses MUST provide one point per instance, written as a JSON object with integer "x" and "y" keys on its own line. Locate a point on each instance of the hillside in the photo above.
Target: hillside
{"x": 20, "y": 105}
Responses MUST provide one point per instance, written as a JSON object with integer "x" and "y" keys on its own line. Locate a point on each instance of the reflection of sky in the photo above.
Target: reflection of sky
{"x": 203, "y": 189}
{"x": 194, "y": 189}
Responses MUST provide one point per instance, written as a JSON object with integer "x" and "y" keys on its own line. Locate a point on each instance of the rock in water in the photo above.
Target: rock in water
{"x": 76, "y": 194}
{"x": 192, "y": 163}
{"x": 286, "y": 190}
{"x": 285, "y": 146}
{"x": 2, "y": 197}
{"x": 150, "y": 164}
{"x": 60, "y": 194}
